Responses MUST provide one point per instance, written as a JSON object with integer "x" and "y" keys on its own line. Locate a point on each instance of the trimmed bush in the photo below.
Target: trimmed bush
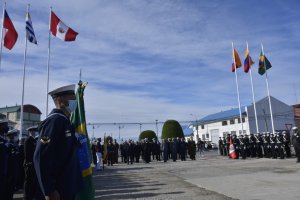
{"x": 171, "y": 129}
{"x": 151, "y": 135}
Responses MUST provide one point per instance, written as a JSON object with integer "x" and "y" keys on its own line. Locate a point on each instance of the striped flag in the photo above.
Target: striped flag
{"x": 236, "y": 61}
{"x": 29, "y": 30}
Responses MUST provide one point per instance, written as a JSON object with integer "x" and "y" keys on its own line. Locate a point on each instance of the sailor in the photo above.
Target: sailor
{"x": 296, "y": 142}
{"x": 30, "y": 182}
{"x": 55, "y": 158}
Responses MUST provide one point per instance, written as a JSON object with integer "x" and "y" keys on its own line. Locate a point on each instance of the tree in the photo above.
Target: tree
{"x": 172, "y": 129}
{"x": 148, "y": 134}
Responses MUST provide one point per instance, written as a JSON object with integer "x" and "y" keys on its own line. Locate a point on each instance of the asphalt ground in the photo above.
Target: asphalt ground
{"x": 210, "y": 177}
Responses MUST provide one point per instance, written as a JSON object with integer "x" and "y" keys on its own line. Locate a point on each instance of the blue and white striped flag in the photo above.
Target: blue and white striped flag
{"x": 29, "y": 30}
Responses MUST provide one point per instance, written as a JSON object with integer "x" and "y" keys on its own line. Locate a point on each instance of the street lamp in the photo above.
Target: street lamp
{"x": 197, "y": 136}
{"x": 120, "y": 131}
{"x": 156, "y": 128}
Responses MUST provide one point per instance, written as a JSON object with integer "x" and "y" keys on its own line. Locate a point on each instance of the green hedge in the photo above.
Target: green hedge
{"x": 171, "y": 129}
{"x": 151, "y": 135}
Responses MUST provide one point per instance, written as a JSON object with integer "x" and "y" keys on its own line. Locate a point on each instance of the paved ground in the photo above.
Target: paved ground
{"x": 210, "y": 177}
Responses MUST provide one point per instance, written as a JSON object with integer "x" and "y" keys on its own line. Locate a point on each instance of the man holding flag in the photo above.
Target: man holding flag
{"x": 55, "y": 158}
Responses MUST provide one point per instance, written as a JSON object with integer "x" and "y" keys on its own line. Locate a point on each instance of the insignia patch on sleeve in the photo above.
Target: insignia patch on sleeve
{"x": 68, "y": 133}
{"x": 45, "y": 140}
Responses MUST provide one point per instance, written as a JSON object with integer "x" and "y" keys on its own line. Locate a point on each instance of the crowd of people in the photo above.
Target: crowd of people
{"x": 146, "y": 150}
{"x": 262, "y": 145}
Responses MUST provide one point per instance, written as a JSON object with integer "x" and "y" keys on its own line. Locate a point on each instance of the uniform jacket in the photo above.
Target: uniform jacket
{"x": 55, "y": 158}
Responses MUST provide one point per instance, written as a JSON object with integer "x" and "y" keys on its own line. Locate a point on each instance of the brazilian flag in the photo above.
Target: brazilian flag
{"x": 84, "y": 153}
{"x": 264, "y": 64}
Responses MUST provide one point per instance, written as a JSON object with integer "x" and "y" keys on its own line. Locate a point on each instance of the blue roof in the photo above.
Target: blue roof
{"x": 187, "y": 131}
{"x": 223, "y": 115}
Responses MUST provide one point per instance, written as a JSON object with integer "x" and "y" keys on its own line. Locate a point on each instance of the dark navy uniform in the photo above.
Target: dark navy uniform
{"x": 30, "y": 182}
{"x": 3, "y": 156}
{"x": 55, "y": 158}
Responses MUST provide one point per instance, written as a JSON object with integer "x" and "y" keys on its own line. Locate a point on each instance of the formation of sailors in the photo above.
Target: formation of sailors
{"x": 145, "y": 150}
{"x": 262, "y": 145}
{"x": 16, "y": 165}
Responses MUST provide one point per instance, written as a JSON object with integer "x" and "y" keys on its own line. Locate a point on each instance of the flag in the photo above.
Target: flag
{"x": 248, "y": 61}
{"x": 9, "y": 32}
{"x": 84, "y": 154}
{"x": 232, "y": 153}
{"x": 105, "y": 149}
{"x": 236, "y": 60}
{"x": 61, "y": 30}
{"x": 264, "y": 64}
{"x": 29, "y": 30}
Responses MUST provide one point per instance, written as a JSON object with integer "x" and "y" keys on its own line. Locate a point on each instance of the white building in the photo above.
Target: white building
{"x": 213, "y": 126}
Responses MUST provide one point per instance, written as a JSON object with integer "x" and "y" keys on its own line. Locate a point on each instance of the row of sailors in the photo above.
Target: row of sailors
{"x": 16, "y": 162}
{"x": 259, "y": 145}
{"x": 131, "y": 151}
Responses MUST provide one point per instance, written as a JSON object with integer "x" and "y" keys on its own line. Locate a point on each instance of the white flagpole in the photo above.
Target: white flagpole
{"x": 253, "y": 97}
{"x": 4, "y": 7}
{"x": 237, "y": 89}
{"x": 23, "y": 88}
{"x": 268, "y": 91}
{"x": 48, "y": 63}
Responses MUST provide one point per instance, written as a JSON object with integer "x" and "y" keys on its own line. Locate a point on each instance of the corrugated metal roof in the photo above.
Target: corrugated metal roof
{"x": 223, "y": 115}
{"x": 10, "y": 109}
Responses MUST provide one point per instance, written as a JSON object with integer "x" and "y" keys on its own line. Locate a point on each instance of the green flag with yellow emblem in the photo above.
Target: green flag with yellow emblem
{"x": 84, "y": 153}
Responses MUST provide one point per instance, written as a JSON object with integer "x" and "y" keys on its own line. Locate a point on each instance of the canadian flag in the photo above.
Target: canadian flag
{"x": 232, "y": 153}
{"x": 61, "y": 30}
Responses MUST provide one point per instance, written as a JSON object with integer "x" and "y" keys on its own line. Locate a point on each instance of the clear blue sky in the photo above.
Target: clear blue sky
{"x": 155, "y": 60}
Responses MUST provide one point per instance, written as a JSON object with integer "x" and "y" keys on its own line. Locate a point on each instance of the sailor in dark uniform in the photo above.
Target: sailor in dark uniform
{"x": 55, "y": 158}
{"x": 296, "y": 142}
{"x": 3, "y": 155}
{"x": 12, "y": 164}
{"x": 30, "y": 182}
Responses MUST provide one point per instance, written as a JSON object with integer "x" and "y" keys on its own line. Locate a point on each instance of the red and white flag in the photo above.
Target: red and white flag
{"x": 9, "y": 32}
{"x": 61, "y": 30}
{"x": 232, "y": 153}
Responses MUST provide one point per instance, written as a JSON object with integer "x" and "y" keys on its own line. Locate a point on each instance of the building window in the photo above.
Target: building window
{"x": 203, "y": 137}
{"x": 232, "y": 121}
{"x": 239, "y": 120}
{"x": 233, "y": 132}
{"x": 207, "y": 135}
{"x": 202, "y": 126}
{"x": 244, "y": 132}
{"x": 224, "y": 123}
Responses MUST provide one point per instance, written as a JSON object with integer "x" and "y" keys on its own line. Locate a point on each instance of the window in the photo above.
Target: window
{"x": 224, "y": 123}
{"x": 202, "y": 126}
{"x": 232, "y": 121}
{"x": 233, "y": 132}
{"x": 239, "y": 120}
{"x": 207, "y": 135}
{"x": 203, "y": 137}
{"x": 244, "y": 132}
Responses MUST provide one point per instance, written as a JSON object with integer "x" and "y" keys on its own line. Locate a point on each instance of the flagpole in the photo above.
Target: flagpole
{"x": 237, "y": 89}
{"x": 23, "y": 87}
{"x": 48, "y": 63}
{"x": 268, "y": 91}
{"x": 4, "y": 7}
{"x": 253, "y": 97}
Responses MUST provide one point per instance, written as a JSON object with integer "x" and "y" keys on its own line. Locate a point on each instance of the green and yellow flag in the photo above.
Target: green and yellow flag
{"x": 264, "y": 64}
{"x": 84, "y": 153}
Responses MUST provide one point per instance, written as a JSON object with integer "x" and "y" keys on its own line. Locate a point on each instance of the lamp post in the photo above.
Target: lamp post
{"x": 197, "y": 135}
{"x": 120, "y": 131}
{"x": 156, "y": 128}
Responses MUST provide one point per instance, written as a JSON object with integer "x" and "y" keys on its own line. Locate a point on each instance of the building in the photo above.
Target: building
{"x": 31, "y": 116}
{"x": 213, "y": 126}
{"x": 297, "y": 114}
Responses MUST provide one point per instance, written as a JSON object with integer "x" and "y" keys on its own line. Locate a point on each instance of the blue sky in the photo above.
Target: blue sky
{"x": 154, "y": 60}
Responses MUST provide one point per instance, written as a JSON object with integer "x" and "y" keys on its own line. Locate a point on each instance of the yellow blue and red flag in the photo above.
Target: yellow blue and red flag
{"x": 236, "y": 60}
{"x": 248, "y": 61}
